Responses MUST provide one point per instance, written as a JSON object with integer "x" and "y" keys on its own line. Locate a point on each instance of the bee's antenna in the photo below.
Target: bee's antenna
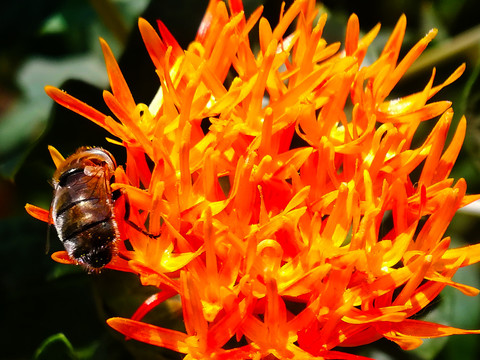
{"x": 47, "y": 243}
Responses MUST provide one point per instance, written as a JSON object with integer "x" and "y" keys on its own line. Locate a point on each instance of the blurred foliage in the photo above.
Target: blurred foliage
{"x": 52, "y": 311}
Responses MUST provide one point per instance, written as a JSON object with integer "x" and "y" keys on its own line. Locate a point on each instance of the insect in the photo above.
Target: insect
{"x": 82, "y": 207}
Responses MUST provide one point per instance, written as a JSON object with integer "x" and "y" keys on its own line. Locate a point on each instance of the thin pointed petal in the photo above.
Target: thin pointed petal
{"x": 117, "y": 81}
{"x": 150, "y": 334}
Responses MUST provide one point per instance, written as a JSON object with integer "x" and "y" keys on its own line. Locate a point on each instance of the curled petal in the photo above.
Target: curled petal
{"x": 62, "y": 258}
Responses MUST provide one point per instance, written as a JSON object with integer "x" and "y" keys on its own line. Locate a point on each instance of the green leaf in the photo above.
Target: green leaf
{"x": 56, "y": 347}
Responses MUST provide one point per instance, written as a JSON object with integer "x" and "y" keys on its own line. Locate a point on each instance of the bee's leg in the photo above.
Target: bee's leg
{"x": 126, "y": 216}
{"x": 47, "y": 243}
{"x": 132, "y": 224}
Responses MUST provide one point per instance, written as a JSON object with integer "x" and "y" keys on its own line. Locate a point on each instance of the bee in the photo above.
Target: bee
{"x": 82, "y": 207}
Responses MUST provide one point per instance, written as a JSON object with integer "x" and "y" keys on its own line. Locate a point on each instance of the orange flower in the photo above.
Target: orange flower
{"x": 275, "y": 247}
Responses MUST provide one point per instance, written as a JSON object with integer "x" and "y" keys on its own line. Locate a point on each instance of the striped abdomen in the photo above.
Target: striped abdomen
{"x": 82, "y": 213}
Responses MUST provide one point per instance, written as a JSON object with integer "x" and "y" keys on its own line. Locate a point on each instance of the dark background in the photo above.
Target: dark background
{"x": 52, "y": 311}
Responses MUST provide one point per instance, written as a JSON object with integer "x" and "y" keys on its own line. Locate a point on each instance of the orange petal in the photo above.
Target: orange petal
{"x": 206, "y": 21}
{"x": 78, "y": 106}
{"x": 392, "y": 79}
{"x": 169, "y": 40}
{"x": 62, "y": 258}
{"x": 117, "y": 81}
{"x": 38, "y": 213}
{"x": 445, "y": 165}
{"x": 408, "y": 332}
{"x": 395, "y": 40}
{"x": 151, "y": 302}
{"x": 155, "y": 46}
{"x": 57, "y": 158}
{"x": 150, "y": 334}
{"x": 352, "y": 35}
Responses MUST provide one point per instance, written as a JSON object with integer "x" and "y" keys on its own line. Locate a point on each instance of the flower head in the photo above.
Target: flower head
{"x": 273, "y": 246}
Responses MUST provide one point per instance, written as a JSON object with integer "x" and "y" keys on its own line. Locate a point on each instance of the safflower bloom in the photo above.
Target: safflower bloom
{"x": 275, "y": 248}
